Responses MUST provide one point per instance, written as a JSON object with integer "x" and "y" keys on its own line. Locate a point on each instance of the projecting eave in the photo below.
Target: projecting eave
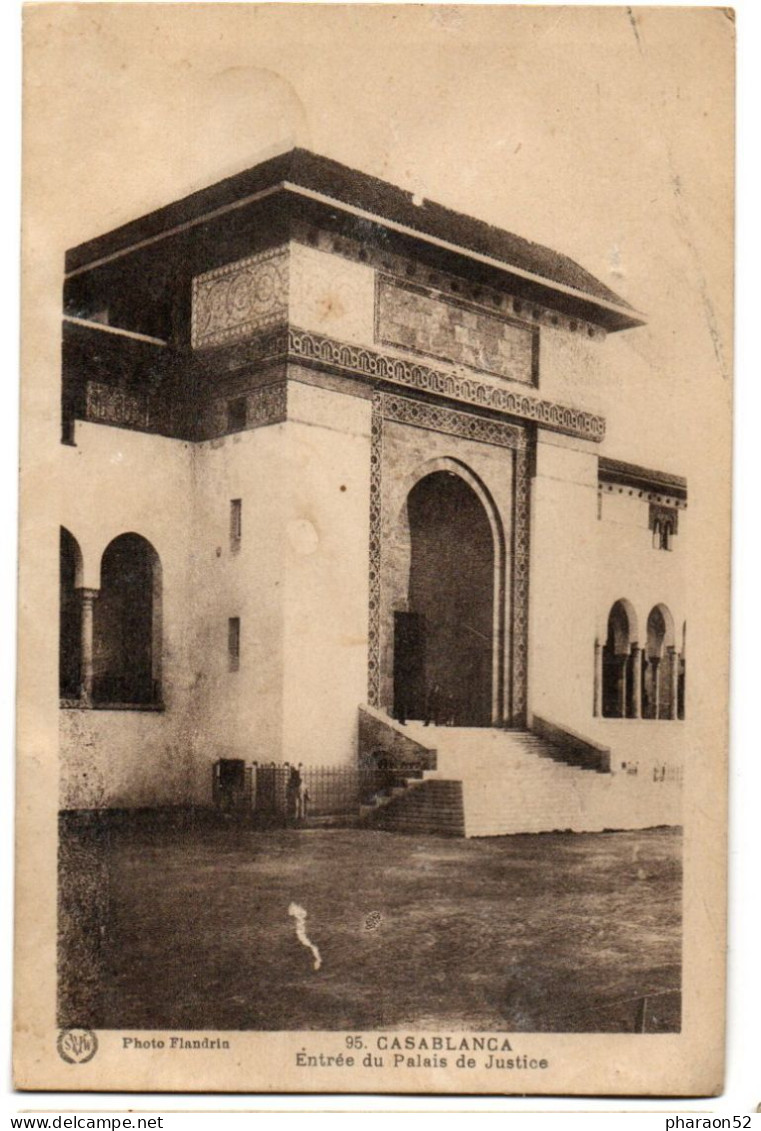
{"x": 645, "y": 479}
{"x": 558, "y": 295}
{"x": 298, "y": 181}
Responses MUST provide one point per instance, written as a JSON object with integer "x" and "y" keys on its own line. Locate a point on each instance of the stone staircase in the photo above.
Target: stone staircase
{"x": 514, "y": 781}
{"x": 429, "y": 805}
{"x": 492, "y": 782}
{"x": 487, "y": 782}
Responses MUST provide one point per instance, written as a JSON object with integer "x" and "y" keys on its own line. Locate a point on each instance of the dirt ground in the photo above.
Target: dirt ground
{"x": 189, "y": 928}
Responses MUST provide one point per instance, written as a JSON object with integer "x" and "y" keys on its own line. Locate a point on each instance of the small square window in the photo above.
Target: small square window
{"x": 237, "y": 414}
{"x": 233, "y": 644}
{"x": 236, "y": 524}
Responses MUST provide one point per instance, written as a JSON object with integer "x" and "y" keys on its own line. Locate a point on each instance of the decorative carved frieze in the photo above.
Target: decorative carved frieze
{"x": 437, "y": 418}
{"x": 239, "y": 299}
{"x": 616, "y": 476}
{"x": 268, "y": 346}
{"x": 258, "y": 407}
{"x": 660, "y": 497}
{"x": 268, "y": 405}
{"x": 358, "y": 360}
{"x": 520, "y": 581}
{"x": 375, "y": 563}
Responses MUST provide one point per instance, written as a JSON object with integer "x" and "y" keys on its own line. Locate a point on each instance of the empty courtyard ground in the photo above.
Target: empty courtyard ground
{"x": 189, "y": 928}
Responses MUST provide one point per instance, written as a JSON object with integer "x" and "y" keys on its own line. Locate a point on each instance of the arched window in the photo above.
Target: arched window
{"x": 617, "y": 686}
{"x": 661, "y": 666}
{"x": 663, "y": 525}
{"x": 70, "y": 617}
{"x": 127, "y": 635}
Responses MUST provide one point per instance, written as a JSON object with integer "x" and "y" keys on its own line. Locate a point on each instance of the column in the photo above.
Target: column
{"x": 87, "y": 597}
{"x": 655, "y": 665}
{"x": 636, "y": 681}
{"x": 598, "y": 680}
{"x": 623, "y": 662}
{"x": 674, "y": 679}
{"x": 681, "y": 683}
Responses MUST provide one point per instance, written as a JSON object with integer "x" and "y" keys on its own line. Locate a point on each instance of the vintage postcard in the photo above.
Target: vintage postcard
{"x": 375, "y": 475}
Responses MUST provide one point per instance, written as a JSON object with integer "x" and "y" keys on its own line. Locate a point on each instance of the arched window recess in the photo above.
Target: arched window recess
{"x": 111, "y": 638}
{"x": 618, "y": 666}
{"x": 664, "y": 525}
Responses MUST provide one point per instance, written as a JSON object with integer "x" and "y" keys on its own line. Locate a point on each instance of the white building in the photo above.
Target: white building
{"x": 337, "y": 457}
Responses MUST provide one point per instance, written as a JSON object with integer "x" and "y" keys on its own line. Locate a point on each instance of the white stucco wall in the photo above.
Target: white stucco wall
{"x": 114, "y": 482}
{"x": 580, "y": 566}
{"x": 573, "y": 369}
{"x": 562, "y": 582}
{"x": 331, "y": 295}
{"x": 629, "y": 565}
{"x": 325, "y": 512}
{"x": 239, "y": 713}
{"x": 631, "y": 568}
{"x": 298, "y": 582}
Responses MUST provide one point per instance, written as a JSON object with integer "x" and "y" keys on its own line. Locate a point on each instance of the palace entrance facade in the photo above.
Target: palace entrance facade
{"x": 327, "y": 473}
{"x": 448, "y": 569}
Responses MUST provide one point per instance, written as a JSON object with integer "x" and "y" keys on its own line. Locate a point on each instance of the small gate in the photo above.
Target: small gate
{"x": 270, "y": 789}
{"x": 231, "y": 785}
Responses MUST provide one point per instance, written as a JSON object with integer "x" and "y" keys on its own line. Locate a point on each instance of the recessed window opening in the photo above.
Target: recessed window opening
{"x": 233, "y": 644}
{"x": 236, "y": 523}
{"x": 127, "y": 624}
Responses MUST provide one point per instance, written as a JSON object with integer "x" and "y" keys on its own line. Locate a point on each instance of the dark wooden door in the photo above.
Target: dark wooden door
{"x": 409, "y": 666}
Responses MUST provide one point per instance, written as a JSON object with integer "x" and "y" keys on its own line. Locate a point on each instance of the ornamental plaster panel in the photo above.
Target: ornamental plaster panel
{"x": 109, "y": 405}
{"x": 237, "y": 300}
{"x": 411, "y": 318}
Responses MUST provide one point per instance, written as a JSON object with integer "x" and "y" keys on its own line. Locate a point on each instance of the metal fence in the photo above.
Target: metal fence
{"x": 330, "y": 790}
{"x": 279, "y": 792}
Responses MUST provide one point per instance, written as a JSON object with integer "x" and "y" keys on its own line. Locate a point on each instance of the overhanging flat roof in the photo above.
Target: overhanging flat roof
{"x": 301, "y": 174}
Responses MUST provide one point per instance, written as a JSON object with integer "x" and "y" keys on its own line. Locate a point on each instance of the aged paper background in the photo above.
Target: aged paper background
{"x": 442, "y": 90}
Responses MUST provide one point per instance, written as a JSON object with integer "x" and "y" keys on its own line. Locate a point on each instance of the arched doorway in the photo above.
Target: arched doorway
{"x": 127, "y": 635}
{"x": 661, "y": 674}
{"x": 444, "y": 646}
{"x": 70, "y": 617}
{"x": 617, "y": 668}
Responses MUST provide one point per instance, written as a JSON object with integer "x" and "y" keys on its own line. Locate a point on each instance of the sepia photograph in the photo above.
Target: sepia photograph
{"x": 376, "y": 420}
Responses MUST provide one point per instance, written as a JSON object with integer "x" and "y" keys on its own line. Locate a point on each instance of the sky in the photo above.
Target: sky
{"x": 598, "y": 132}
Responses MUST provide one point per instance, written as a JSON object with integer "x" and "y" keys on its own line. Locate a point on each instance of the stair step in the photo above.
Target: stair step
{"x": 433, "y": 805}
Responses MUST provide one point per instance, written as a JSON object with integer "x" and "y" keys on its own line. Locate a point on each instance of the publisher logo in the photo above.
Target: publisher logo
{"x": 77, "y": 1046}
